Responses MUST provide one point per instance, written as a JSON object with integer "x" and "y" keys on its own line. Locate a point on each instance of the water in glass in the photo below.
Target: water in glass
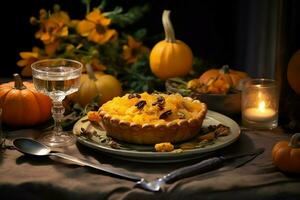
{"x": 57, "y": 78}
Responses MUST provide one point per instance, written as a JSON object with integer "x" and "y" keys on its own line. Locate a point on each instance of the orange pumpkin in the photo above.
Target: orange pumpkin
{"x": 170, "y": 57}
{"x": 286, "y": 155}
{"x": 229, "y": 76}
{"x": 93, "y": 84}
{"x": 293, "y": 72}
{"x": 22, "y": 105}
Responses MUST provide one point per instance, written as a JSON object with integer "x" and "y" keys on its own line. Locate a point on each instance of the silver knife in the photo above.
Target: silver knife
{"x": 198, "y": 168}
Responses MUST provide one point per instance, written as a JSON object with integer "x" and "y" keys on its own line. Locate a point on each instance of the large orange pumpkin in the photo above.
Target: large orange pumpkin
{"x": 22, "y": 105}
{"x": 286, "y": 155}
{"x": 170, "y": 57}
{"x": 229, "y": 76}
{"x": 293, "y": 72}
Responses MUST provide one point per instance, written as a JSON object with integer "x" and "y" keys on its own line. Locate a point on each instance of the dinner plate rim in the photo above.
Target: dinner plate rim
{"x": 144, "y": 156}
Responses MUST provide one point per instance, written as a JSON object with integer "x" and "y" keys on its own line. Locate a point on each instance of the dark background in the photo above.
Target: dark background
{"x": 236, "y": 32}
{"x": 257, "y": 36}
{"x": 208, "y": 26}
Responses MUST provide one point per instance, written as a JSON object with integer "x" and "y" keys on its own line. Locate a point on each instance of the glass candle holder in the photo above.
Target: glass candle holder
{"x": 260, "y": 99}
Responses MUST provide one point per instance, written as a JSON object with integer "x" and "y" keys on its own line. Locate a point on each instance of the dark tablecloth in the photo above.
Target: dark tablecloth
{"x": 25, "y": 177}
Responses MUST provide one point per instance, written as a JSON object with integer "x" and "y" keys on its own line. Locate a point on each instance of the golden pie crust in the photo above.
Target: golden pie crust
{"x": 121, "y": 118}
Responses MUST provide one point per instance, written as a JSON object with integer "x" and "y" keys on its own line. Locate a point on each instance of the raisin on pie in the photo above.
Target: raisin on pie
{"x": 152, "y": 118}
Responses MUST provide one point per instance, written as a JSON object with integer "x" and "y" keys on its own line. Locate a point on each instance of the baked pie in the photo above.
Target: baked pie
{"x": 152, "y": 118}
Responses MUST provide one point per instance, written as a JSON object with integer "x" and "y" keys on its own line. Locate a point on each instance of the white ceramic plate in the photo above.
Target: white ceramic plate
{"x": 146, "y": 153}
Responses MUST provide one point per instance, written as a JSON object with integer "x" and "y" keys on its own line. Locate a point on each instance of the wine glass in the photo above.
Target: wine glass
{"x": 57, "y": 78}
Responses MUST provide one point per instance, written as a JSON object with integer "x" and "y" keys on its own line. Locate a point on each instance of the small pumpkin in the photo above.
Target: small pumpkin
{"x": 170, "y": 57}
{"x": 232, "y": 77}
{"x": 286, "y": 155}
{"x": 214, "y": 86}
{"x": 22, "y": 105}
{"x": 217, "y": 81}
{"x": 93, "y": 84}
{"x": 293, "y": 72}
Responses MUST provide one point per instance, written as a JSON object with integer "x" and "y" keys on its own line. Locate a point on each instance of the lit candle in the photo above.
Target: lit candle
{"x": 260, "y": 103}
{"x": 260, "y": 114}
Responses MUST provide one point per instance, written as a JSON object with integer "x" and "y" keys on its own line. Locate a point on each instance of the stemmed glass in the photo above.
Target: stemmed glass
{"x": 57, "y": 78}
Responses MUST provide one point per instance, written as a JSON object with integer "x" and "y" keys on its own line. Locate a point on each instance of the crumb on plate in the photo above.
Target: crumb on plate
{"x": 93, "y": 116}
{"x": 164, "y": 147}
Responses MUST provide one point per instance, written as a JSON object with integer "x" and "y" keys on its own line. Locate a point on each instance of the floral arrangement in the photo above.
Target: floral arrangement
{"x": 99, "y": 39}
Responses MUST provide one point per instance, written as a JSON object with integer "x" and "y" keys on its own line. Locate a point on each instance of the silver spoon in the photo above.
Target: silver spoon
{"x": 33, "y": 147}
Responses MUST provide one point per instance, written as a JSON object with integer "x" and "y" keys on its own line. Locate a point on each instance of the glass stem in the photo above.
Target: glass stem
{"x": 57, "y": 114}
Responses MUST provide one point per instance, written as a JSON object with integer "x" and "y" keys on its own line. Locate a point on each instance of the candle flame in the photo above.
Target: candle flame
{"x": 261, "y": 106}
{"x": 259, "y": 95}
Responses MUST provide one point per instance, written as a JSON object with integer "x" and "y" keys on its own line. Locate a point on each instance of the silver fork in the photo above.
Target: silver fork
{"x": 201, "y": 167}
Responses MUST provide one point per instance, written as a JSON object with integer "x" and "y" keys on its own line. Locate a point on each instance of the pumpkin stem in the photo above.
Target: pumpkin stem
{"x": 169, "y": 31}
{"x": 90, "y": 72}
{"x": 18, "y": 82}
{"x": 225, "y": 69}
{"x": 295, "y": 141}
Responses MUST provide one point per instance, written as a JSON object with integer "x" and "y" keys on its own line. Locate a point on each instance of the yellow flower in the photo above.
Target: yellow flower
{"x": 53, "y": 27}
{"x": 95, "y": 28}
{"x": 51, "y": 48}
{"x": 133, "y": 50}
{"x": 94, "y": 62}
{"x": 27, "y": 58}
{"x": 97, "y": 65}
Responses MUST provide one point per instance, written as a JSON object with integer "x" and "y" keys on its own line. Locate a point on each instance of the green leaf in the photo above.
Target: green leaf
{"x": 145, "y": 87}
{"x": 178, "y": 80}
{"x": 133, "y": 15}
{"x": 56, "y": 8}
{"x": 87, "y": 4}
{"x": 140, "y": 34}
{"x": 115, "y": 12}
{"x": 102, "y": 4}
{"x": 138, "y": 77}
{"x": 199, "y": 67}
